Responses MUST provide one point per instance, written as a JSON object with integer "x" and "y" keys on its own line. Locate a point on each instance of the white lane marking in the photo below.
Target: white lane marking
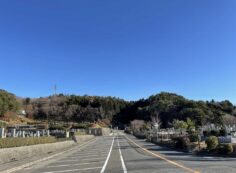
{"x": 55, "y": 166}
{"x": 121, "y": 157}
{"x": 208, "y": 157}
{"x": 70, "y": 170}
{"x": 89, "y": 155}
{"x": 108, "y": 156}
{"x": 86, "y": 157}
{"x": 71, "y": 160}
{"x": 92, "y": 155}
{"x": 85, "y": 153}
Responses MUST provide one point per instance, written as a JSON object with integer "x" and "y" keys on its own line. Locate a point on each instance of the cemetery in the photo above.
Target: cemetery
{"x": 211, "y": 139}
{"x": 24, "y": 135}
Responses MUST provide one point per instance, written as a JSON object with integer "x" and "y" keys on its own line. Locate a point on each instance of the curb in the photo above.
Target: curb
{"x": 215, "y": 155}
{"x": 43, "y": 159}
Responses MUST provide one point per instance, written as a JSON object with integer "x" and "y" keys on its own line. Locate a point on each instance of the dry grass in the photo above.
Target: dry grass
{"x": 17, "y": 142}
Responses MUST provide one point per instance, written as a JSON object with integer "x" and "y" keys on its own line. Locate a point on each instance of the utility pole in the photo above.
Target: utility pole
{"x": 55, "y": 90}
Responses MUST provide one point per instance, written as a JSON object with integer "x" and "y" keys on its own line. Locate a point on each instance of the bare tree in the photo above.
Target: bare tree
{"x": 156, "y": 121}
{"x": 137, "y": 124}
{"x": 229, "y": 120}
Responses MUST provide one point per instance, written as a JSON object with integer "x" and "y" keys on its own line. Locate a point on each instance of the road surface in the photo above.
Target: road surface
{"x": 124, "y": 153}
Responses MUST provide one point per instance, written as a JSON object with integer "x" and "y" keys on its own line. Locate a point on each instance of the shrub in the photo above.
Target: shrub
{"x": 234, "y": 148}
{"x": 193, "y": 137}
{"x": 206, "y": 133}
{"x": 3, "y": 124}
{"x": 225, "y": 148}
{"x": 181, "y": 142}
{"x": 82, "y": 126}
{"x": 57, "y": 127}
{"x": 139, "y": 135}
{"x": 215, "y": 133}
{"x": 228, "y": 148}
{"x": 222, "y": 132}
{"x": 212, "y": 142}
{"x": 128, "y": 131}
{"x": 17, "y": 142}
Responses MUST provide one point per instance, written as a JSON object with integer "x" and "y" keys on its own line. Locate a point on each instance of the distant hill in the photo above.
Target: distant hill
{"x": 74, "y": 108}
{"x": 8, "y": 103}
{"x": 168, "y": 106}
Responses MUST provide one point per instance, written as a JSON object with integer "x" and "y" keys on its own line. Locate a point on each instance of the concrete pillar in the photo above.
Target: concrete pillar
{"x": 67, "y": 134}
{"x": 2, "y": 133}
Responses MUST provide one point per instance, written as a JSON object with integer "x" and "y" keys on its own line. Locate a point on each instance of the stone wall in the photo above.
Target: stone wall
{"x": 99, "y": 131}
{"x": 83, "y": 138}
{"x": 19, "y": 153}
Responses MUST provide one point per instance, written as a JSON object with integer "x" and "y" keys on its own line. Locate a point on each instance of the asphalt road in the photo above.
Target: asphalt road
{"x": 124, "y": 153}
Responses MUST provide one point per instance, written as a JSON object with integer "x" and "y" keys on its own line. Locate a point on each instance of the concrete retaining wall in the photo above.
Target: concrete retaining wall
{"x": 83, "y": 138}
{"x": 106, "y": 131}
{"x": 19, "y": 153}
{"x": 99, "y": 131}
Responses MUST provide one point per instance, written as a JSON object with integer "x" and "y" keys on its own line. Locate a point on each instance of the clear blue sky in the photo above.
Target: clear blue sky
{"x": 125, "y": 48}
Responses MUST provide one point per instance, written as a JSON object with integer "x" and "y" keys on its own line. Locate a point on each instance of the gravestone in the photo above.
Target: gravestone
{"x": 37, "y": 134}
{"x": 48, "y": 133}
{"x": 23, "y": 134}
{"x": 2, "y": 133}
{"x": 13, "y": 133}
{"x": 67, "y": 134}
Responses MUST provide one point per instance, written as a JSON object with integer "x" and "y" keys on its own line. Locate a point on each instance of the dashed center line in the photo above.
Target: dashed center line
{"x": 121, "y": 157}
{"x": 108, "y": 156}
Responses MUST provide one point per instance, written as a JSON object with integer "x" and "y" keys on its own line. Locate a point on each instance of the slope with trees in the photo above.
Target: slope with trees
{"x": 8, "y": 103}
{"x": 74, "y": 108}
{"x": 172, "y": 106}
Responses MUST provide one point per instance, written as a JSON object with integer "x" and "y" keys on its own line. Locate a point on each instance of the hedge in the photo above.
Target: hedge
{"x": 225, "y": 148}
{"x": 181, "y": 142}
{"x": 212, "y": 142}
{"x": 17, "y": 142}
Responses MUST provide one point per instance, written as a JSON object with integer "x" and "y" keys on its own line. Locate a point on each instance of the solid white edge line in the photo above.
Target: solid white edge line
{"x": 121, "y": 157}
{"x": 108, "y": 156}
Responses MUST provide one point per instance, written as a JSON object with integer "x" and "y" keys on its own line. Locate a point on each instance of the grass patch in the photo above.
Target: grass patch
{"x": 80, "y": 133}
{"x": 18, "y": 142}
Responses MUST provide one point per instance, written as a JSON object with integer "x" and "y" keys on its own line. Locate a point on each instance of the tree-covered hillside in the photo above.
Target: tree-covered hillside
{"x": 172, "y": 106}
{"x": 167, "y": 106}
{"x": 8, "y": 103}
{"x": 74, "y": 108}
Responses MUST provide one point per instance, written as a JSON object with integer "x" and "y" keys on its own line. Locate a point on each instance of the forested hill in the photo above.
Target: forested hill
{"x": 74, "y": 108}
{"x": 167, "y": 106}
{"x": 8, "y": 102}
